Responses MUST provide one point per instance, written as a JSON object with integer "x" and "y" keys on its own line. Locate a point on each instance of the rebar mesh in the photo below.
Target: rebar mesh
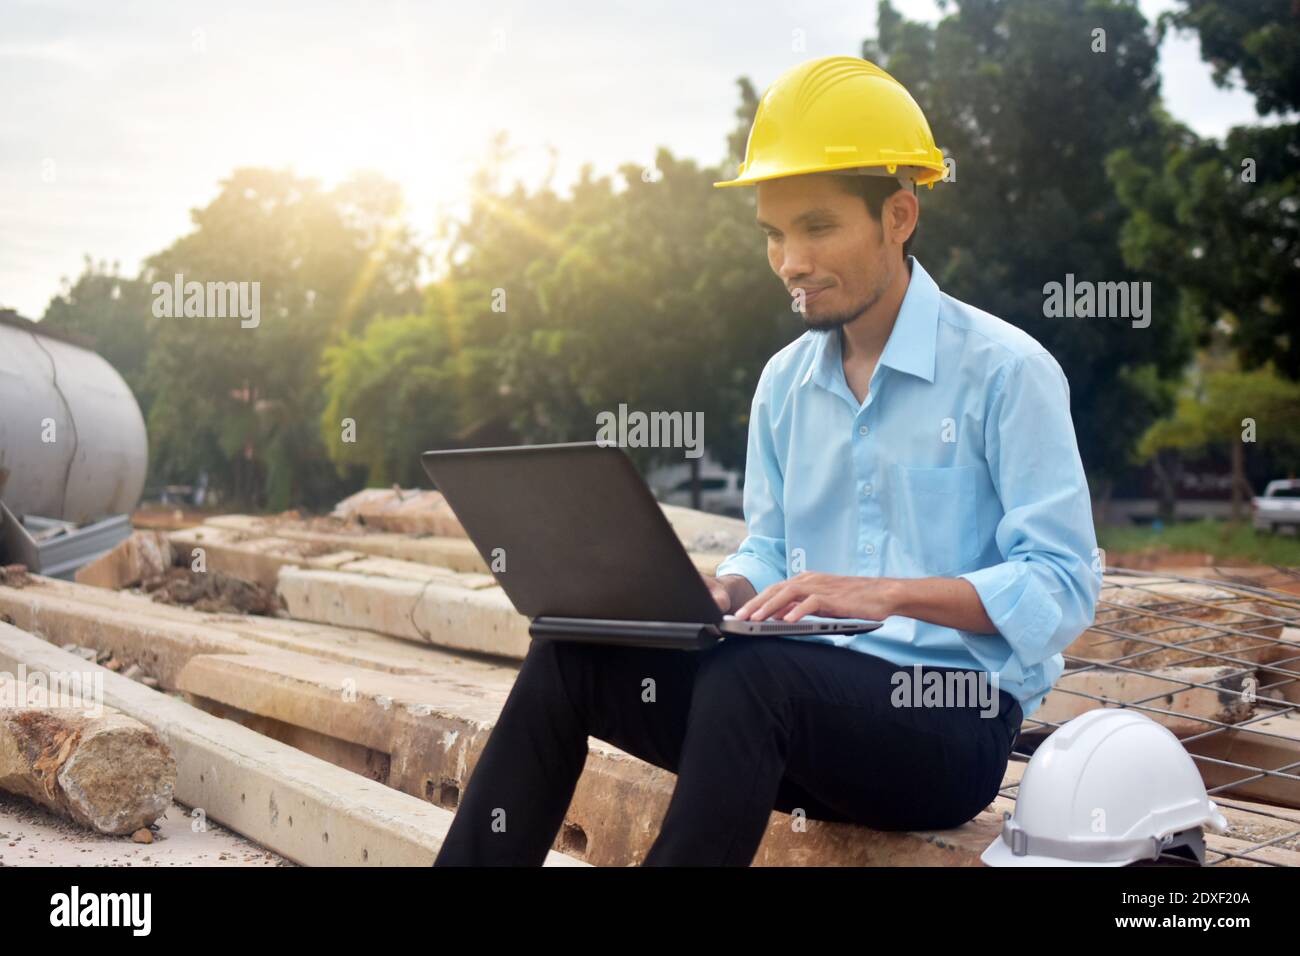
{"x": 1234, "y": 638}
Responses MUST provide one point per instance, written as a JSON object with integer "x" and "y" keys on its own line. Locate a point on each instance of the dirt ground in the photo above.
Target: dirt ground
{"x": 214, "y": 592}
{"x": 31, "y": 836}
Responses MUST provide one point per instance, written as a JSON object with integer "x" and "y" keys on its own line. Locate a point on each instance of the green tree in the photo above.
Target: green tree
{"x": 1027, "y": 104}
{"x": 656, "y": 294}
{"x": 396, "y": 383}
{"x": 111, "y": 313}
{"x": 243, "y": 403}
{"x": 1257, "y": 40}
{"x": 1221, "y": 221}
{"x": 1228, "y": 408}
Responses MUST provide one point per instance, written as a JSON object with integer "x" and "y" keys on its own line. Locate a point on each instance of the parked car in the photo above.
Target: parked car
{"x": 720, "y": 493}
{"x": 1278, "y": 506}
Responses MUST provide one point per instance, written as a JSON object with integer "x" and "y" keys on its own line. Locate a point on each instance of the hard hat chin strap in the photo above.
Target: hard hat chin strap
{"x": 1098, "y": 851}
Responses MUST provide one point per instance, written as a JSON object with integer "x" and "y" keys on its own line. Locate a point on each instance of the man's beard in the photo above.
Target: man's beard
{"x": 833, "y": 320}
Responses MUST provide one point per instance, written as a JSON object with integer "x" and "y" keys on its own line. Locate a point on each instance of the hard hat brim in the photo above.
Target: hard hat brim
{"x": 931, "y": 175}
{"x": 999, "y": 854}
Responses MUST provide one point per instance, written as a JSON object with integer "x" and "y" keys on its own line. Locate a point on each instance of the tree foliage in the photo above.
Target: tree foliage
{"x": 1028, "y": 104}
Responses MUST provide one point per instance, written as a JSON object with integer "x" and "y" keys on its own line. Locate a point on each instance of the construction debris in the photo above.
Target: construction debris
{"x": 108, "y": 772}
{"x": 30, "y": 835}
{"x": 212, "y": 591}
{"x": 108, "y": 659}
{"x": 14, "y": 575}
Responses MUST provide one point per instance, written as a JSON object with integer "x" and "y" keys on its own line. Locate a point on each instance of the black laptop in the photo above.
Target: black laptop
{"x": 581, "y": 547}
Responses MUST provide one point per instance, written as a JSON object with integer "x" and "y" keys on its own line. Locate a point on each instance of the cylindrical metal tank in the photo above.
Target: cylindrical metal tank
{"x": 72, "y": 439}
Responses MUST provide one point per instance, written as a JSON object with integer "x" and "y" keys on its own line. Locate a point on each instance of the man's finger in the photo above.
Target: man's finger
{"x": 807, "y": 606}
{"x": 781, "y": 598}
{"x": 756, "y": 601}
{"x": 779, "y": 613}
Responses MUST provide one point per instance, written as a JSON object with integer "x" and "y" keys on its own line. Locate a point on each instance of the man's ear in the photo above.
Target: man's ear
{"x": 899, "y": 215}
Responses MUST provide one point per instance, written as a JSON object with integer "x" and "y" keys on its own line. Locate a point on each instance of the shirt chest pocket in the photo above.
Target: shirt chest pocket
{"x": 933, "y": 516}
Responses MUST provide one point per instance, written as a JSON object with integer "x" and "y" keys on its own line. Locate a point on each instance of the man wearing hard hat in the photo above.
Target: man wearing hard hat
{"x": 911, "y": 459}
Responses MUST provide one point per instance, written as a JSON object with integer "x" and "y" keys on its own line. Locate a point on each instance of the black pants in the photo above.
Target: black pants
{"x": 749, "y": 725}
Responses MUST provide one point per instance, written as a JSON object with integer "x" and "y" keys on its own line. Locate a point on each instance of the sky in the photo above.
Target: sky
{"x": 119, "y": 118}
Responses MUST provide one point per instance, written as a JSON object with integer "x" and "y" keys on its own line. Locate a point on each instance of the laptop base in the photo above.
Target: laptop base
{"x": 664, "y": 634}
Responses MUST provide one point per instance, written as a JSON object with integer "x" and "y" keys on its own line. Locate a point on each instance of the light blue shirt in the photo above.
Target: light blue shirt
{"x": 962, "y": 462}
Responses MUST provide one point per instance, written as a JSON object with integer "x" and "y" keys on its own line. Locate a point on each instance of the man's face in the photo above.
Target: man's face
{"x": 821, "y": 239}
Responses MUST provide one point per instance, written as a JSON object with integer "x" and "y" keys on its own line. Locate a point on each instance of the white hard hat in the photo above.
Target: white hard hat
{"x": 1108, "y": 788}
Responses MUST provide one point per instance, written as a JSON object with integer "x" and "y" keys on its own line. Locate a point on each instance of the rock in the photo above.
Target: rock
{"x": 14, "y": 576}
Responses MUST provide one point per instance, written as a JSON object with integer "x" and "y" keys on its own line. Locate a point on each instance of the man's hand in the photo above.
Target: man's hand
{"x": 729, "y": 590}
{"x": 828, "y": 595}
{"x": 948, "y": 602}
{"x": 719, "y": 593}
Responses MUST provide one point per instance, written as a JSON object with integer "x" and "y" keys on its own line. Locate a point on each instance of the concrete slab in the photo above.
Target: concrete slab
{"x": 310, "y": 811}
{"x": 459, "y": 554}
{"x": 434, "y": 730}
{"x": 43, "y": 596}
{"x": 1184, "y": 710}
{"x": 430, "y": 612}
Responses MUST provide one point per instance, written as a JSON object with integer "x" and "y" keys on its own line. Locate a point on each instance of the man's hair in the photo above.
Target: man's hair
{"x": 874, "y": 190}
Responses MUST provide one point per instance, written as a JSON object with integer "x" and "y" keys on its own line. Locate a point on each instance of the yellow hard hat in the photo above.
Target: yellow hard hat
{"x": 839, "y": 114}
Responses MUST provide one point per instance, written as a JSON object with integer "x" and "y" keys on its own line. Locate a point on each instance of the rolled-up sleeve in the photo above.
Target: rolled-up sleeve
{"x": 1044, "y": 592}
{"x": 761, "y": 556}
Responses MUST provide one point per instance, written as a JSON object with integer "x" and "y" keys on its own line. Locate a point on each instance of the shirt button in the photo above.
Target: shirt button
{"x": 871, "y": 549}
{"x": 866, "y": 489}
{"x": 862, "y": 429}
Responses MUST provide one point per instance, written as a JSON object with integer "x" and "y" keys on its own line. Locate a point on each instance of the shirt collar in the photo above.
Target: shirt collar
{"x": 912, "y": 342}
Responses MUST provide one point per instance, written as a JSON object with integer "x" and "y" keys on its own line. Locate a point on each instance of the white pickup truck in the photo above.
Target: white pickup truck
{"x": 1278, "y": 506}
